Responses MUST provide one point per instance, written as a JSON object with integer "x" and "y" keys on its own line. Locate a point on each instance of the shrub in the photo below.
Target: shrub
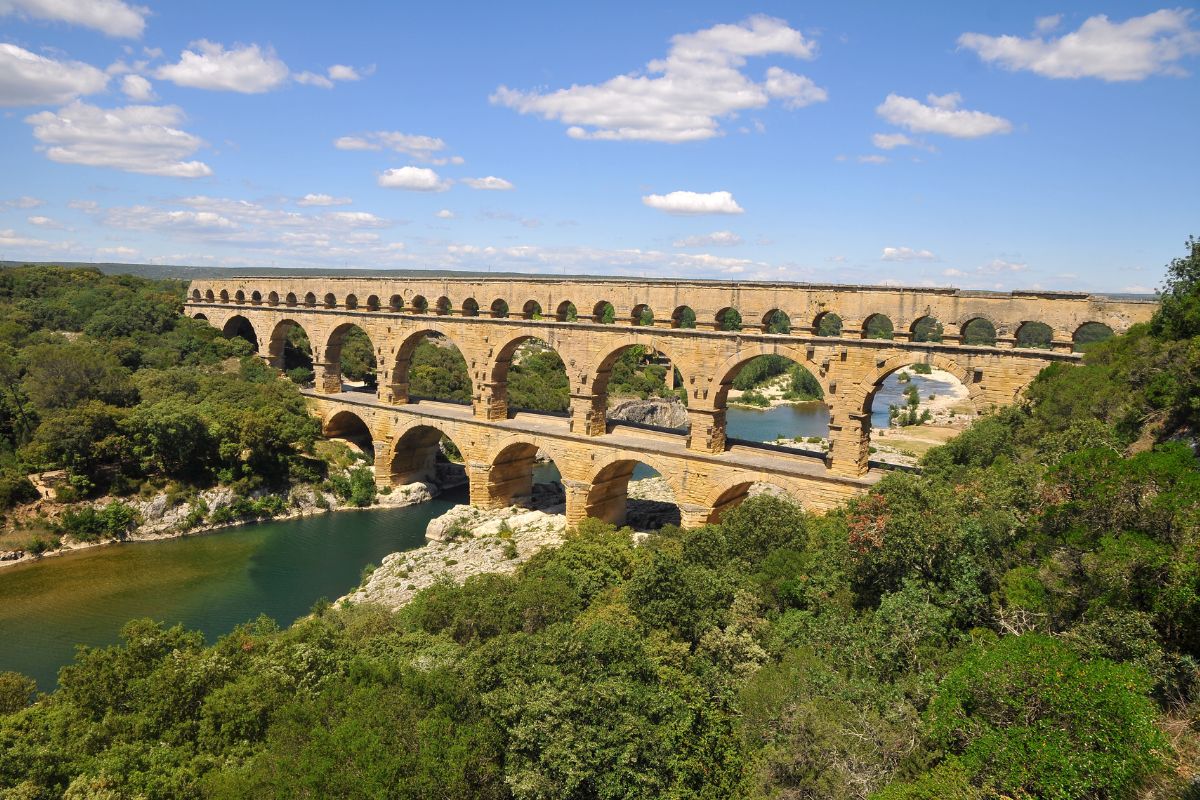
{"x": 15, "y": 489}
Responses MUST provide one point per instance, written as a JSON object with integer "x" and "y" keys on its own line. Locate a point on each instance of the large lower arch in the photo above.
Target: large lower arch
{"x": 238, "y": 326}
{"x": 511, "y": 474}
{"x": 600, "y": 375}
{"x": 290, "y": 350}
{"x": 725, "y": 374}
{"x": 349, "y": 354}
{"x": 419, "y": 454}
{"x": 527, "y": 374}
{"x": 406, "y": 387}
{"x": 351, "y": 428}
{"x": 608, "y": 494}
{"x": 731, "y": 493}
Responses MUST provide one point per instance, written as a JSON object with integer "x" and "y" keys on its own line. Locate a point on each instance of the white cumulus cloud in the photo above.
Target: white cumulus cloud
{"x": 942, "y": 115}
{"x": 414, "y": 179}
{"x": 685, "y": 96}
{"x": 490, "y": 183}
{"x": 24, "y": 201}
{"x": 694, "y": 203}
{"x": 141, "y": 139}
{"x": 411, "y": 144}
{"x": 318, "y": 199}
{"x": 906, "y": 254}
{"x": 312, "y": 79}
{"x": 247, "y": 69}
{"x": 890, "y": 141}
{"x": 341, "y": 72}
{"x": 1111, "y": 51}
{"x": 445, "y": 213}
{"x": 717, "y": 238}
{"x": 112, "y": 17}
{"x": 27, "y": 79}
{"x": 137, "y": 88}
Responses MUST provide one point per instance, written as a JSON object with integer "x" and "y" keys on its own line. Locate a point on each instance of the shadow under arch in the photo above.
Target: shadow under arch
{"x": 400, "y": 389}
{"x": 608, "y": 495}
{"x": 200, "y": 315}
{"x": 731, "y": 493}
{"x": 238, "y": 326}
{"x": 286, "y": 351}
{"x": 420, "y": 453}
{"x": 351, "y": 428}
{"x": 551, "y": 391}
{"x": 513, "y": 475}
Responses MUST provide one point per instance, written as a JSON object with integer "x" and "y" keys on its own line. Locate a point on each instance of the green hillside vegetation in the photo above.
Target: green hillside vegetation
{"x": 1022, "y": 620}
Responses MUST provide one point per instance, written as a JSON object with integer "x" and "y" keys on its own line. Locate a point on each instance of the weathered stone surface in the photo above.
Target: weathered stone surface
{"x": 661, "y": 413}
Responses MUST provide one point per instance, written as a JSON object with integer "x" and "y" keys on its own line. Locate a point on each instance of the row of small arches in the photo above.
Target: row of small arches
{"x": 975, "y": 331}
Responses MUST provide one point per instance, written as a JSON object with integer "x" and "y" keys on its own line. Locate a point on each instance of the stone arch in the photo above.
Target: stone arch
{"x": 470, "y": 307}
{"x": 277, "y": 347}
{"x": 878, "y": 326}
{"x": 256, "y": 297}
{"x": 597, "y": 373}
{"x": 1032, "y": 333}
{"x": 499, "y": 308}
{"x": 498, "y": 370}
{"x": 683, "y": 317}
{"x": 604, "y": 312}
{"x": 865, "y": 393}
{"x": 208, "y": 296}
{"x": 608, "y": 486}
{"x": 351, "y": 427}
{"x": 735, "y": 490}
{"x": 396, "y": 303}
{"x": 443, "y": 307}
{"x": 330, "y": 301}
{"x": 642, "y": 315}
{"x": 290, "y": 300}
{"x": 729, "y": 319}
{"x": 727, "y": 371}
{"x": 200, "y": 315}
{"x": 827, "y": 323}
{"x": 332, "y": 357}
{"x": 419, "y": 304}
{"x": 777, "y": 321}
{"x": 511, "y": 463}
{"x": 402, "y": 362}
{"x": 239, "y": 296}
{"x": 373, "y": 302}
{"x": 1089, "y": 333}
{"x": 926, "y": 329}
{"x": 310, "y": 300}
{"x": 531, "y": 310}
{"x": 566, "y": 312}
{"x": 981, "y": 331}
{"x": 415, "y": 452}
{"x": 239, "y": 326}
{"x": 195, "y": 295}
{"x": 224, "y": 295}
{"x": 351, "y": 301}
{"x": 273, "y": 299}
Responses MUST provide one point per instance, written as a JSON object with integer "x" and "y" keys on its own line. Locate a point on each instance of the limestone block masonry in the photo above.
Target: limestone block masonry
{"x": 487, "y": 319}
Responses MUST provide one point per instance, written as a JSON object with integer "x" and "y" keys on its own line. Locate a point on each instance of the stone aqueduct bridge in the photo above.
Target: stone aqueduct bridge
{"x": 596, "y": 457}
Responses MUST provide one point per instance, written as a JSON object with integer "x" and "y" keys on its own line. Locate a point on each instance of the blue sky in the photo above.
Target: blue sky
{"x": 1015, "y": 145}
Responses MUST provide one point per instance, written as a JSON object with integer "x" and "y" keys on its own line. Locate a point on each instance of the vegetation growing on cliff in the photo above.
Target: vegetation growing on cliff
{"x": 1021, "y": 620}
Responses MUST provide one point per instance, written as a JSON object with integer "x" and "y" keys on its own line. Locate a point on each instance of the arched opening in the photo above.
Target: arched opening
{"x": 443, "y": 306}
{"x": 566, "y": 312}
{"x": 877, "y": 326}
{"x": 827, "y": 323}
{"x": 729, "y": 319}
{"x": 330, "y": 300}
{"x": 240, "y": 327}
{"x": 419, "y": 304}
{"x": 1089, "y": 333}
{"x": 683, "y": 317}
{"x": 499, "y": 309}
{"x": 239, "y": 297}
{"x": 200, "y": 316}
{"x": 310, "y": 300}
{"x": 291, "y": 351}
{"x": 290, "y": 300}
{"x": 196, "y": 295}
{"x": 470, "y": 308}
{"x": 774, "y": 401}
{"x": 914, "y": 408}
{"x": 396, "y": 303}
{"x": 604, "y": 313}
{"x": 1035, "y": 334}
{"x": 642, "y": 315}
{"x": 926, "y": 329}
{"x": 256, "y": 297}
{"x": 430, "y": 367}
{"x": 373, "y": 302}
{"x": 350, "y": 428}
{"x": 273, "y": 299}
{"x": 979, "y": 331}
{"x": 531, "y": 310}
{"x": 632, "y": 493}
{"x": 739, "y": 493}
{"x": 639, "y": 387}
{"x": 425, "y": 454}
{"x": 531, "y": 376}
{"x": 352, "y": 354}
{"x": 208, "y": 295}
{"x": 776, "y": 321}
{"x": 351, "y": 301}
{"x": 224, "y": 295}
{"x": 522, "y": 475}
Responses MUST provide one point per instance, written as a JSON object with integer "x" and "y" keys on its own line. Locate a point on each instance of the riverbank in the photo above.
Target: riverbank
{"x": 161, "y": 518}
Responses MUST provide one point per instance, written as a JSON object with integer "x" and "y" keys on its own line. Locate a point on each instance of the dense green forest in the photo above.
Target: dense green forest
{"x": 1021, "y": 620}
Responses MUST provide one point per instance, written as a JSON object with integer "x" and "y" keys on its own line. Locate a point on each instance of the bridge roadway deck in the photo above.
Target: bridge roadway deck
{"x": 595, "y": 469}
